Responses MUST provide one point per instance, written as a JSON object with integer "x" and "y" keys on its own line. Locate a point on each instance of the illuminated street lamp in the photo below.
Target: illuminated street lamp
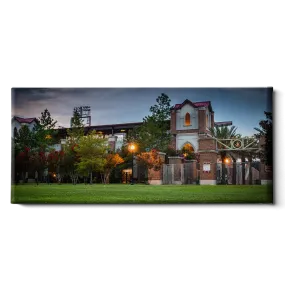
{"x": 132, "y": 149}
{"x": 227, "y": 160}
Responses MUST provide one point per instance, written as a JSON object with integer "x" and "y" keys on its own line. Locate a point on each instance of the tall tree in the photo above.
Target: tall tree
{"x": 154, "y": 132}
{"x": 92, "y": 150}
{"x": 45, "y": 131}
{"x": 71, "y": 157}
{"x": 112, "y": 160}
{"x": 266, "y": 131}
{"x": 22, "y": 143}
{"x": 76, "y": 130}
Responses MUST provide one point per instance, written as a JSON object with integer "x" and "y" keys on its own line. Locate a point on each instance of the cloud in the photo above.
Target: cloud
{"x": 244, "y": 107}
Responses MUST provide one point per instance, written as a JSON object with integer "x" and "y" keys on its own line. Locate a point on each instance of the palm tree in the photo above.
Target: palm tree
{"x": 225, "y": 132}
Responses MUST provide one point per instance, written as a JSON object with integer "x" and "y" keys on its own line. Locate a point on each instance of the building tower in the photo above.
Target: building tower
{"x": 84, "y": 113}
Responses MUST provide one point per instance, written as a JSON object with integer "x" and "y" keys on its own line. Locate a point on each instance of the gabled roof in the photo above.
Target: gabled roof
{"x": 24, "y": 120}
{"x": 194, "y": 104}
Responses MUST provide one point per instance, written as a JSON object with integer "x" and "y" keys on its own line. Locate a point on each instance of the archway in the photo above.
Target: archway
{"x": 188, "y": 147}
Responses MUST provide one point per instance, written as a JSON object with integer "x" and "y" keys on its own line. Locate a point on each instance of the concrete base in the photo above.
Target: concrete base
{"x": 266, "y": 182}
{"x": 208, "y": 182}
{"x": 155, "y": 182}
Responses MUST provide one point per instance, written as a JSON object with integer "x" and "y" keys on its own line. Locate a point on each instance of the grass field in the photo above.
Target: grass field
{"x": 137, "y": 194}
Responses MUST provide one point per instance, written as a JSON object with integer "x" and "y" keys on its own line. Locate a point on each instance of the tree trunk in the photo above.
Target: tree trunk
{"x": 107, "y": 178}
{"x": 91, "y": 177}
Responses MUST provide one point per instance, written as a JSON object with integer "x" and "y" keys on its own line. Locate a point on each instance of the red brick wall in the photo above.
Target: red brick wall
{"x": 173, "y": 122}
{"x": 207, "y": 144}
{"x": 155, "y": 175}
{"x": 202, "y": 121}
{"x": 210, "y": 157}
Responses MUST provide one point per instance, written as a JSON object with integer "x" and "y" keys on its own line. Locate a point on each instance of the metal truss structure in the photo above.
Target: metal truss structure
{"x": 238, "y": 144}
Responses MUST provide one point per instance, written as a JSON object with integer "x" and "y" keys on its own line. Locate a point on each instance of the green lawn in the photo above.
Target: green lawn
{"x": 146, "y": 194}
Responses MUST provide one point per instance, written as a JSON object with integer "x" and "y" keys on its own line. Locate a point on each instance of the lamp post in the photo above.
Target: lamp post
{"x": 132, "y": 149}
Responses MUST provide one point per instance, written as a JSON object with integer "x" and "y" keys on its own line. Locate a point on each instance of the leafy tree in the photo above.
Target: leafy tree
{"x": 266, "y": 131}
{"x": 54, "y": 160}
{"x": 92, "y": 150}
{"x": 77, "y": 128}
{"x": 154, "y": 132}
{"x": 24, "y": 138}
{"x": 151, "y": 159}
{"x": 45, "y": 131}
{"x": 71, "y": 157}
{"x": 112, "y": 160}
{"x": 38, "y": 161}
{"x": 22, "y": 144}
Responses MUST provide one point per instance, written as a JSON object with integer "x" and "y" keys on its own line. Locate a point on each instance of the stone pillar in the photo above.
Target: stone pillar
{"x": 202, "y": 120}
{"x": 175, "y": 160}
{"x": 112, "y": 143}
{"x": 208, "y": 160}
{"x": 212, "y": 119}
{"x": 193, "y": 170}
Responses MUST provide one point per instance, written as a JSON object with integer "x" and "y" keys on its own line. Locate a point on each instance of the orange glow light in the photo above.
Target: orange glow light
{"x": 132, "y": 147}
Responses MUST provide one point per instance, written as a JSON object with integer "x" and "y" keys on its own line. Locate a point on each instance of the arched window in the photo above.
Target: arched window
{"x": 187, "y": 119}
{"x": 188, "y": 147}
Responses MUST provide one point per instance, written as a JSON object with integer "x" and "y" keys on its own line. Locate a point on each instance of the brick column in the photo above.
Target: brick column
{"x": 202, "y": 120}
{"x": 194, "y": 170}
{"x": 173, "y": 141}
{"x": 208, "y": 158}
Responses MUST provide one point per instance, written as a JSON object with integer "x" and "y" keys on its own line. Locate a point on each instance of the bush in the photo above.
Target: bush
{"x": 170, "y": 151}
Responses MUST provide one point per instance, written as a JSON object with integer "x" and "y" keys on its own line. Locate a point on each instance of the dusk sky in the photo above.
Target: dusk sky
{"x": 243, "y": 106}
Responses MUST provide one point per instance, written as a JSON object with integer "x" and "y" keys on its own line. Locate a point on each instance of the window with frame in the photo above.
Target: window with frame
{"x": 187, "y": 119}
